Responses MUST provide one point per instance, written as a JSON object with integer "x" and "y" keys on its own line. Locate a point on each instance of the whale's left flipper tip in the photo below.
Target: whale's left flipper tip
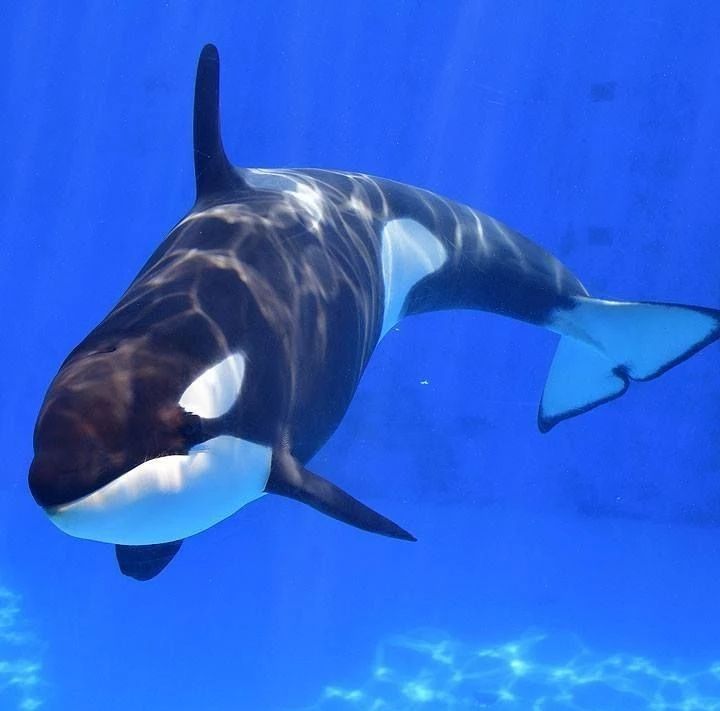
{"x": 607, "y": 344}
{"x": 288, "y": 477}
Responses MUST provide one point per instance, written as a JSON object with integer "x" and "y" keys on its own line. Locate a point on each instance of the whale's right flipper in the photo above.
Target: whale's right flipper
{"x": 607, "y": 344}
{"x": 289, "y": 478}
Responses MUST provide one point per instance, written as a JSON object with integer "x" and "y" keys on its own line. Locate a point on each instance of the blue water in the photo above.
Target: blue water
{"x": 573, "y": 570}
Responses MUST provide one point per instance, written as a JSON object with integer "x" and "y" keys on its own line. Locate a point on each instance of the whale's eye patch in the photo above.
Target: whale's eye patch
{"x": 215, "y": 391}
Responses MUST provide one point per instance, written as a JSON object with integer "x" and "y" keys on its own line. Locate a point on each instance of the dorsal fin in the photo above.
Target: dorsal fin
{"x": 213, "y": 171}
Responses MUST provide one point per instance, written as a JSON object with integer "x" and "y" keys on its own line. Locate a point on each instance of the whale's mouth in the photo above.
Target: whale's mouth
{"x": 170, "y": 497}
{"x": 54, "y": 485}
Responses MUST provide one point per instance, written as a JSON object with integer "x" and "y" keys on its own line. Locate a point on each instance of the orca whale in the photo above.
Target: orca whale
{"x": 234, "y": 353}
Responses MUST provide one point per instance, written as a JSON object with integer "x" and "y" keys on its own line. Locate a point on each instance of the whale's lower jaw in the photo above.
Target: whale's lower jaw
{"x": 172, "y": 497}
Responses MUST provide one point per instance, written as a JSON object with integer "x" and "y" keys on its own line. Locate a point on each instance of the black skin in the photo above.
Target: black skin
{"x": 252, "y": 269}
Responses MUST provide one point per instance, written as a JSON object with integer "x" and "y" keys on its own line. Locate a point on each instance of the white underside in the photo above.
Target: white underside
{"x": 173, "y": 497}
{"x": 409, "y": 253}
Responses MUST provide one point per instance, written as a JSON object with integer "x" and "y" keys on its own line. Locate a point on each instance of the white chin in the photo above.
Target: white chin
{"x": 170, "y": 498}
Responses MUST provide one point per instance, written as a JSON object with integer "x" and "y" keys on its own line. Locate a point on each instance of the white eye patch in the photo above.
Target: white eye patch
{"x": 215, "y": 391}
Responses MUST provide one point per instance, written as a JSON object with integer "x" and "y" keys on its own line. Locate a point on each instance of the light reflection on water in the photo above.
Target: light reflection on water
{"x": 537, "y": 672}
{"x": 20, "y": 664}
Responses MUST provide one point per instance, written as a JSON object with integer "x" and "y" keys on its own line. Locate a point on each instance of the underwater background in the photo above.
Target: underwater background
{"x": 573, "y": 570}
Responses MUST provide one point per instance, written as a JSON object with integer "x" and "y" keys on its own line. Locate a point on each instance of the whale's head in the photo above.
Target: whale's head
{"x": 181, "y": 406}
{"x": 134, "y": 445}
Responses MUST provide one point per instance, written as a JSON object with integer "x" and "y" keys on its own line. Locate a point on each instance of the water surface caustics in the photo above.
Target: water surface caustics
{"x": 20, "y": 665}
{"x": 537, "y": 672}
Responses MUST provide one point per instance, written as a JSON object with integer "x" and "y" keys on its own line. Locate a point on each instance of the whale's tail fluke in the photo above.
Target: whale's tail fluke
{"x": 607, "y": 344}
